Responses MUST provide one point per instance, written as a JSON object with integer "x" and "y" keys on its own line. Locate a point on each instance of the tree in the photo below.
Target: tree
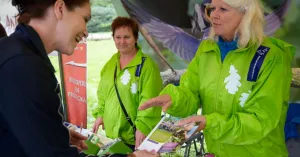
{"x": 102, "y": 3}
{"x": 101, "y": 19}
{"x": 233, "y": 81}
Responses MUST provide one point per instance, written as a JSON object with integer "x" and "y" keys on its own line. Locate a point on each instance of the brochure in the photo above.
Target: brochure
{"x": 167, "y": 136}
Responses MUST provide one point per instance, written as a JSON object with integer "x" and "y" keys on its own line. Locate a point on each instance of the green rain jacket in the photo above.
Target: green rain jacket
{"x": 134, "y": 91}
{"x": 243, "y": 118}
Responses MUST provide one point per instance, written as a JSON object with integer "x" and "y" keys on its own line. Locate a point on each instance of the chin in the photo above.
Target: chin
{"x": 68, "y": 52}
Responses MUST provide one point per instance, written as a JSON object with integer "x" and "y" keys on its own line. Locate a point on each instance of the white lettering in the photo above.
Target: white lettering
{"x": 77, "y": 82}
{"x": 77, "y": 97}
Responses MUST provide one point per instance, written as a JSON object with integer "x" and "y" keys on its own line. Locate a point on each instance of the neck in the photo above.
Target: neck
{"x": 128, "y": 55}
{"x": 125, "y": 58}
{"x": 46, "y": 34}
{"x": 227, "y": 38}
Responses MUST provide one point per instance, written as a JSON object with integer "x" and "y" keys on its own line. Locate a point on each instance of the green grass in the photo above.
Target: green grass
{"x": 98, "y": 53}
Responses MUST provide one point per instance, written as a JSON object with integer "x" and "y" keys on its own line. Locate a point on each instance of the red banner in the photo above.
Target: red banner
{"x": 74, "y": 69}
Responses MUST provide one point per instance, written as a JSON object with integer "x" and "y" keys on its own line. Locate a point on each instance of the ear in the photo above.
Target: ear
{"x": 59, "y": 6}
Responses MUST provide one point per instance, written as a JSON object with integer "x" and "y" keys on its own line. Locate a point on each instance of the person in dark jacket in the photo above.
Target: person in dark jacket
{"x": 30, "y": 117}
{"x": 2, "y": 31}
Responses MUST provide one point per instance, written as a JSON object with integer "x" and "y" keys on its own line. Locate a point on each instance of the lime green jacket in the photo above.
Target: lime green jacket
{"x": 133, "y": 91}
{"x": 243, "y": 118}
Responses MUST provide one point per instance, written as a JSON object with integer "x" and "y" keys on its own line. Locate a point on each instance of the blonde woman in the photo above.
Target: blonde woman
{"x": 241, "y": 78}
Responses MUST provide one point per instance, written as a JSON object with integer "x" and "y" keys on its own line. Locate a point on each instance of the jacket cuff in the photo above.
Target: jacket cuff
{"x": 97, "y": 114}
{"x": 169, "y": 89}
{"x": 209, "y": 119}
{"x": 142, "y": 127}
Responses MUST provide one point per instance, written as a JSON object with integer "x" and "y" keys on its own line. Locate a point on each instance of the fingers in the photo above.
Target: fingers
{"x": 150, "y": 103}
{"x": 153, "y": 152}
{"x": 138, "y": 142}
{"x": 166, "y": 106}
{"x": 95, "y": 127}
{"x": 80, "y": 145}
{"x": 77, "y": 136}
{"x": 161, "y": 100}
{"x": 139, "y": 138}
{"x": 186, "y": 121}
{"x": 84, "y": 145}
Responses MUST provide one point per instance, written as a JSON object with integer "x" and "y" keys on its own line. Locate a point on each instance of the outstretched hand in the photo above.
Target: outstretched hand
{"x": 164, "y": 101}
{"x": 200, "y": 120}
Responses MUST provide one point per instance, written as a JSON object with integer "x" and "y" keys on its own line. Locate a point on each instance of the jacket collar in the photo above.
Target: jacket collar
{"x": 212, "y": 46}
{"x": 34, "y": 42}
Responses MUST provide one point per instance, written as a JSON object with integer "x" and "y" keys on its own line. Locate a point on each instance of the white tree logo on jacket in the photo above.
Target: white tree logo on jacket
{"x": 125, "y": 78}
{"x": 232, "y": 81}
{"x": 133, "y": 88}
{"x": 243, "y": 98}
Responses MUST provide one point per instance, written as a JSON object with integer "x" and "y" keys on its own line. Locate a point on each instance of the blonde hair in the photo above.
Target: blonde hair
{"x": 251, "y": 28}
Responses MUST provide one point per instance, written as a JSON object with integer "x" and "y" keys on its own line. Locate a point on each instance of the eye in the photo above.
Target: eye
{"x": 86, "y": 20}
{"x": 223, "y": 9}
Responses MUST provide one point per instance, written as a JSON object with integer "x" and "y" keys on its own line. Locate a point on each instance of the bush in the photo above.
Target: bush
{"x": 101, "y": 19}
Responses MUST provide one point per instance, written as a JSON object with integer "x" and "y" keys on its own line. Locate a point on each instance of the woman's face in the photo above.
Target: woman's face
{"x": 224, "y": 19}
{"x": 124, "y": 40}
{"x": 72, "y": 27}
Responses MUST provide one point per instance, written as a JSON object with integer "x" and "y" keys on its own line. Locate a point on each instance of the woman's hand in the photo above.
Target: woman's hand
{"x": 98, "y": 122}
{"x": 164, "y": 101}
{"x": 143, "y": 153}
{"x": 78, "y": 140}
{"x": 200, "y": 120}
{"x": 139, "y": 138}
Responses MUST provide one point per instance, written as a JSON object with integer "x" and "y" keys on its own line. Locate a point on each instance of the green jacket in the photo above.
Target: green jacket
{"x": 244, "y": 118}
{"x": 133, "y": 91}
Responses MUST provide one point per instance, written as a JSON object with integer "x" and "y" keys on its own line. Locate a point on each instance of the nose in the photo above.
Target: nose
{"x": 123, "y": 40}
{"x": 215, "y": 14}
{"x": 85, "y": 33}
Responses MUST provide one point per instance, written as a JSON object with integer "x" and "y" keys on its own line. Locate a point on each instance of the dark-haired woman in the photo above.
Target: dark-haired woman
{"x": 30, "y": 124}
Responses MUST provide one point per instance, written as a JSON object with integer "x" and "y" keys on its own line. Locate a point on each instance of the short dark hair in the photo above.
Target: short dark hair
{"x": 125, "y": 22}
{"x": 2, "y": 31}
{"x": 36, "y": 8}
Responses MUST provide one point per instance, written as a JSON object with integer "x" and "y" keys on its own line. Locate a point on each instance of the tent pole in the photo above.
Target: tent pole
{"x": 63, "y": 92}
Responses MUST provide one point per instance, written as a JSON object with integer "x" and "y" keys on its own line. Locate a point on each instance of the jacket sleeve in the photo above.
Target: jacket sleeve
{"x": 149, "y": 86}
{"x": 185, "y": 97}
{"x": 265, "y": 107}
{"x": 29, "y": 108}
{"x": 98, "y": 111}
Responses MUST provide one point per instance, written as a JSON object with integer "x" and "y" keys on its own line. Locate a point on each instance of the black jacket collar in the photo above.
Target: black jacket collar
{"x": 34, "y": 42}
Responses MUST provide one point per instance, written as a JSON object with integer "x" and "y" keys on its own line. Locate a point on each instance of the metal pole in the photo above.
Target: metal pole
{"x": 63, "y": 92}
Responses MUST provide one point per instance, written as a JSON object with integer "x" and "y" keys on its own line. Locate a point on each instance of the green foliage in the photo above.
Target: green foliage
{"x": 102, "y": 15}
{"x": 102, "y": 3}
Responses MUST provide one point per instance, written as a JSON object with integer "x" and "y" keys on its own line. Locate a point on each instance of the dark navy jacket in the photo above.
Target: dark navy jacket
{"x": 30, "y": 125}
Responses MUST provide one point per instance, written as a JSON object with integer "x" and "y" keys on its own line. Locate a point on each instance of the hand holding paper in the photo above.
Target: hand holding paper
{"x": 199, "y": 120}
{"x": 77, "y": 139}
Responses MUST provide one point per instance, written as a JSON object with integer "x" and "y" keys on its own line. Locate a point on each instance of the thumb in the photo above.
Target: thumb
{"x": 166, "y": 106}
{"x": 93, "y": 129}
{"x": 185, "y": 121}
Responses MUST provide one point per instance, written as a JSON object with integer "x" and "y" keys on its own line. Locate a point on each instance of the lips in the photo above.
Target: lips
{"x": 78, "y": 39}
{"x": 215, "y": 24}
